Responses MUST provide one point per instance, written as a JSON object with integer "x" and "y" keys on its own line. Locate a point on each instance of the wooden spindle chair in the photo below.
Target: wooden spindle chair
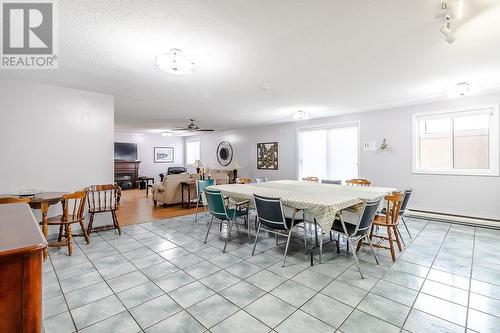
{"x": 311, "y": 179}
{"x": 13, "y": 200}
{"x": 103, "y": 199}
{"x": 358, "y": 182}
{"x": 390, "y": 222}
{"x": 73, "y": 205}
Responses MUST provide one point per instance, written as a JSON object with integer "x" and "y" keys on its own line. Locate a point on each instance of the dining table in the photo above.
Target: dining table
{"x": 321, "y": 202}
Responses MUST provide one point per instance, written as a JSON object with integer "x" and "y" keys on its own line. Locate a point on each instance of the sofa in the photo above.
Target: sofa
{"x": 169, "y": 190}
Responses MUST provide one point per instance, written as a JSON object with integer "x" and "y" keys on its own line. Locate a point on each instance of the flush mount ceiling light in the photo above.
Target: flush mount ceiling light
{"x": 167, "y": 133}
{"x": 175, "y": 63}
{"x": 300, "y": 115}
{"x": 462, "y": 89}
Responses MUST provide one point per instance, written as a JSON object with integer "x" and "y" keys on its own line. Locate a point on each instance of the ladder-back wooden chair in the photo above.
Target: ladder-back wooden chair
{"x": 13, "y": 200}
{"x": 73, "y": 205}
{"x": 390, "y": 222}
{"x": 104, "y": 199}
{"x": 358, "y": 182}
{"x": 243, "y": 180}
{"x": 311, "y": 179}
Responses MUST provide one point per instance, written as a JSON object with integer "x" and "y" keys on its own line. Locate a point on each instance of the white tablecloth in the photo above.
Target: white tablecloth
{"x": 322, "y": 201}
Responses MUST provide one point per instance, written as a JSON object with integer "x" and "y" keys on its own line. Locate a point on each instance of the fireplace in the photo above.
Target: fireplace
{"x": 126, "y": 173}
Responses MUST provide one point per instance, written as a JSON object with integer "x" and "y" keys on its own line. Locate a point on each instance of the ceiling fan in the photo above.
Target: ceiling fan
{"x": 192, "y": 127}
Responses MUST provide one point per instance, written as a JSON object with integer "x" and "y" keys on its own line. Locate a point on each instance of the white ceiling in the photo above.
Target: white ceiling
{"x": 326, "y": 57}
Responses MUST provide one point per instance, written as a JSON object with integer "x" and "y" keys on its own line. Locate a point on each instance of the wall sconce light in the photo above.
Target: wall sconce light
{"x": 384, "y": 145}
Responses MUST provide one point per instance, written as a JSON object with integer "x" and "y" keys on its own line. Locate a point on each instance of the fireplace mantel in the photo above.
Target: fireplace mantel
{"x": 126, "y": 173}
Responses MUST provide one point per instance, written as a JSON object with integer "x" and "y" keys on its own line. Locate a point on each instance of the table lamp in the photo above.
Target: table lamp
{"x": 235, "y": 166}
{"x": 197, "y": 164}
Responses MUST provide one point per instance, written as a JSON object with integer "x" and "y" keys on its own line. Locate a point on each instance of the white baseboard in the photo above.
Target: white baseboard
{"x": 472, "y": 221}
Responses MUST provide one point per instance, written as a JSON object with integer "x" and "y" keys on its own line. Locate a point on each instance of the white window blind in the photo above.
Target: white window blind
{"x": 192, "y": 152}
{"x": 329, "y": 152}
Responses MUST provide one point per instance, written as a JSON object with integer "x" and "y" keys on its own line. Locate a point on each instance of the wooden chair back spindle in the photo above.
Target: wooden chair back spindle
{"x": 358, "y": 182}
{"x": 311, "y": 179}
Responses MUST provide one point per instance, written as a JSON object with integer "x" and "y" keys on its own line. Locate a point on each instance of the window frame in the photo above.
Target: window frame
{"x": 186, "y": 150}
{"x": 326, "y": 127}
{"x": 493, "y": 138}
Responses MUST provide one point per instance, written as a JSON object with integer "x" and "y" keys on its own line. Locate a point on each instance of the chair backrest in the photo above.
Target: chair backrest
{"x": 333, "y": 182}
{"x": 368, "y": 214}
{"x": 103, "y": 198}
{"x": 201, "y": 184}
{"x": 311, "y": 179}
{"x": 393, "y": 208}
{"x": 260, "y": 179}
{"x": 358, "y": 182}
{"x": 270, "y": 212}
{"x": 11, "y": 200}
{"x": 243, "y": 180}
{"x": 215, "y": 203}
{"x": 74, "y": 206}
{"x": 406, "y": 198}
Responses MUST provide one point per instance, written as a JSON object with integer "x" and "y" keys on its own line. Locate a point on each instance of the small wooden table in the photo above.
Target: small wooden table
{"x": 42, "y": 201}
{"x": 189, "y": 185}
{"x": 147, "y": 180}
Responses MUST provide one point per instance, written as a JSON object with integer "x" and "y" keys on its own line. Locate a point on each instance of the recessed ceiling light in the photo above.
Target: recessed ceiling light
{"x": 300, "y": 115}
{"x": 462, "y": 89}
{"x": 175, "y": 63}
{"x": 167, "y": 133}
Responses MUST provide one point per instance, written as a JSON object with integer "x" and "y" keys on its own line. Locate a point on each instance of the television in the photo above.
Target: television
{"x": 125, "y": 151}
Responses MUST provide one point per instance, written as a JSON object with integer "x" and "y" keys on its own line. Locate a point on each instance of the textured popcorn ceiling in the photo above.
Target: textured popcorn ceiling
{"x": 257, "y": 61}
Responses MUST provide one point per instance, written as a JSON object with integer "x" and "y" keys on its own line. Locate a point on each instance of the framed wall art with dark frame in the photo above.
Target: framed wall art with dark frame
{"x": 267, "y": 156}
{"x": 224, "y": 153}
{"x": 164, "y": 154}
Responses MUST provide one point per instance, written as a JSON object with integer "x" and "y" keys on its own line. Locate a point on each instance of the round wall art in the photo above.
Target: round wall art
{"x": 224, "y": 153}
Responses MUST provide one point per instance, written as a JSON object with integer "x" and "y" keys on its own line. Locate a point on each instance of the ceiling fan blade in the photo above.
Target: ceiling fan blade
{"x": 204, "y": 130}
{"x": 179, "y": 129}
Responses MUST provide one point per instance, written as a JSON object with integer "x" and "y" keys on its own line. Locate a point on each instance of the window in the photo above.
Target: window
{"x": 463, "y": 142}
{"x": 192, "y": 152}
{"x": 329, "y": 152}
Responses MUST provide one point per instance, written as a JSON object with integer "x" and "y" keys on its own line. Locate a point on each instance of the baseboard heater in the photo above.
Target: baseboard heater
{"x": 458, "y": 219}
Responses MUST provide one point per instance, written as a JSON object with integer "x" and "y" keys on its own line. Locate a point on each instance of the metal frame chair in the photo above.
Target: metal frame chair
{"x": 271, "y": 218}
{"x": 406, "y": 199}
{"x": 359, "y": 231}
{"x": 201, "y": 184}
{"x": 333, "y": 182}
{"x": 218, "y": 208}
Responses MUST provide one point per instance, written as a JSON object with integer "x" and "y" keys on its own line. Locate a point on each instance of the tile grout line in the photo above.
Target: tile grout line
{"x": 427, "y": 275}
{"x": 470, "y": 281}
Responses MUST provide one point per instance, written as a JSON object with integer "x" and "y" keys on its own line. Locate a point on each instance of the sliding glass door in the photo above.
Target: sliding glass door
{"x": 329, "y": 152}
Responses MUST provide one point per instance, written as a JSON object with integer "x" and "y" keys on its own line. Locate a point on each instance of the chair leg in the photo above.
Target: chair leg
{"x": 69, "y": 239}
{"x": 373, "y": 250}
{"x": 391, "y": 244}
{"x": 406, "y": 227}
{"x": 59, "y": 237}
{"x": 256, "y": 239}
{"x": 89, "y": 227}
{"x": 248, "y": 227}
{"x": 208, "y": 230}
{"x": 286, "y": 247}
{"x": 115, "y": 222}
{"x": 316, "y": 232}
{"x": 84, "y": 232}
{"x": 196, "y": 211}
{"x": 353, "y": 250}
{"x": 401, "y": 236}
{"x": 338, "y": 243}
{"x": 396, "y": 234}
{"x": 229, "y": 227}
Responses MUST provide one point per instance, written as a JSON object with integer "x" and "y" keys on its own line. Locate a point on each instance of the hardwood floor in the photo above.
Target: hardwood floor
{"x": 135, "y": 208}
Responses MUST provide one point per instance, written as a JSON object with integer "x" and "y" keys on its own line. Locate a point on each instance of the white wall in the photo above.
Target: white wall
{"x": 463, "y": 195}
{"x": 145, "y": 150}
{"x": 54, "y": 138}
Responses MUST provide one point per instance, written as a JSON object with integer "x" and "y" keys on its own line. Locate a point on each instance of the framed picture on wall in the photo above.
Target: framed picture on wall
{"x": 164, "y": 154}
{"x": 267, "y": 156}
